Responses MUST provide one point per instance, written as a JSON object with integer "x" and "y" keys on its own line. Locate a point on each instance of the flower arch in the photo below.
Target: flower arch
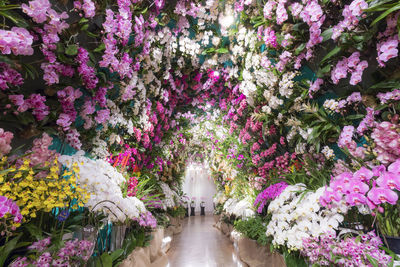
{"x": 278, "y": 96}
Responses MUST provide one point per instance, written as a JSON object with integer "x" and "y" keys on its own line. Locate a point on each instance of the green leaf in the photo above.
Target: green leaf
{"x": 327, "y": 34}
{"x": 100, "y": 48}
{"x": 6, "y": 249}
{"x": 373, "y": 261}
{"x": 83, "y": 20}
{"x": 222, "y": 50}
{"x": 333, "y": 52}
{"x": 9, "y": 7}
{"x": 300, "y": 48}
{"x": 116, "y": 254}
{"x": 71, "y": 50}
{"x": 84, "y": 27}
{"x": 355, "y": 117}
{"x": 385, "y": 14}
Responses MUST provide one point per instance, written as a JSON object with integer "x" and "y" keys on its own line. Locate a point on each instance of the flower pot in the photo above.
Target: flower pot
{"x": 202, "y": 211}
{"x": 393, "y": 243}
{"x": 192, "y": 213}
{"x": 117, "y": 237}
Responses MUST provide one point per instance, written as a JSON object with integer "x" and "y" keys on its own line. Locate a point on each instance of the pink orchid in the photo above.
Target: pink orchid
{"x": 363, "y": 174}
{"x": 355, "y": 199}
{"x": 357, "y": 187}
{"x": 379, "y": 195}
{"x": 389, "y": 180}
{"x": 395, "y": 167}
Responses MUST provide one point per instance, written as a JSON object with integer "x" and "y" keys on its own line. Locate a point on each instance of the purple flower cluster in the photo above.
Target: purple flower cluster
{"x": 8, "y": 206}
{"x": 270, "y": 193}
{"x": 315, "y": 86}
{"x": 87, "y": 73}
{"x": 351, "y": 65}
{"x": 120, "y": 26}
{"x": 326, "y": 250}
{"x": 74, "y": 253}
{"x": 17, "y": 41}
{"x": 87, "y": 7}
{"x": 9, "y": 76}
{"x": 35, "y": 102}
{"x": 147, "y": 219}
{"x": 67, "y": 98}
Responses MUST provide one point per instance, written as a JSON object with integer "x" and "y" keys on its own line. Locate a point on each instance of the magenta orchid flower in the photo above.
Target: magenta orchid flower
{"x": 389, "y": 180}
{"x": 380, "y": 195}
{"x": 395, "y": 167}
{"x": 363, "y": 174}
{"x": 356, "y": 186}
{"x": 356, "y": 199}
{"x": 330, "y": 196}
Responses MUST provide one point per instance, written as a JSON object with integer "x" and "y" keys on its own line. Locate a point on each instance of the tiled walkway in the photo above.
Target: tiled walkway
{"x": 201, "y": 245}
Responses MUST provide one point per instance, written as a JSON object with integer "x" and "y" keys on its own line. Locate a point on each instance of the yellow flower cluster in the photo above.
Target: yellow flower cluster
{"x": 33, "y": 192}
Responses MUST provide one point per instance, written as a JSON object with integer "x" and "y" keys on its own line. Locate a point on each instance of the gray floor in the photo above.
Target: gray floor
{"x": 201, "y": 245}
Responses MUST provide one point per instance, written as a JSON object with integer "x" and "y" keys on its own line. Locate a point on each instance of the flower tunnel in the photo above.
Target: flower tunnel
{"x": 116, "y": 114}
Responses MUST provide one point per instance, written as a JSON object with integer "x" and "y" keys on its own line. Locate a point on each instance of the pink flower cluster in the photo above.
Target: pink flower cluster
{"x": 147, "y": 219}
{"x": 87, "y": 7}
{"x": 315, "y": 86}
{"x": 387, "y": 139}
{"x": 40, "y": 152}
{"x": 35, "y": 102}
{"x": 351, "y": 65}
{"x": 386, "y": 97}
{"x": 5, "y": 142}
{"x": 346, "y": 141}
{"x": 389, "y": 41}
{"x": 17, "y": 41}
{"x": 360, "y": 188}
{"x": 132, "y": 183}
{"x": 9, "y": 76}
{"x": 368, "y": 121}
{"x": 8, "y": 206}
{"x": 327, "y": 250}
{"x": 73, "y": 253}
{"x": 351, "y": 14}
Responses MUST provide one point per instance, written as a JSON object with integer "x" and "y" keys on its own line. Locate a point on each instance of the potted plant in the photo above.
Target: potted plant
{"x": 389, "y": 226}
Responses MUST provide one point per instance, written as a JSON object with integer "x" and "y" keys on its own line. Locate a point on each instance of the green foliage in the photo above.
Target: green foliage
{"x": 312, "y": 174}
{"x": 293, "y": 259}
{"x": 254, "y": 228}
{"x": 176, "y": 211}
{"x": 389, "y": 220}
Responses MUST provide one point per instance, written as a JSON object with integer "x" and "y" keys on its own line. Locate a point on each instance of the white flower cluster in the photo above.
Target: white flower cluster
{"x": 297, "y": 214}
{"x": 104, "y": 185}
{"x": 170, "y": 196}
{"x": 117, "y": 118}
{"x": 328, "y": 152}
{"x": 240, "y": 208}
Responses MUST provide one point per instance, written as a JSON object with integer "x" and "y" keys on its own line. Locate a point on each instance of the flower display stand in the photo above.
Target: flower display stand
{"x": 192, "y": 213}
{"x": 202, "y": 211}
{"x": 151, "y": 256}
{"x": 256, "y": 255}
